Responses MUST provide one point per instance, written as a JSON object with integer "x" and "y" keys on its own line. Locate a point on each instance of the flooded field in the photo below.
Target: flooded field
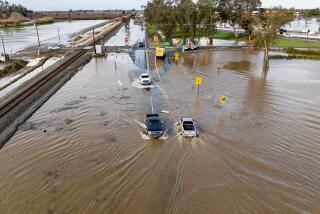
{"x": 304, "y": 25}
{"x": 19, "y": 38}
{"x": 84, "y": 151}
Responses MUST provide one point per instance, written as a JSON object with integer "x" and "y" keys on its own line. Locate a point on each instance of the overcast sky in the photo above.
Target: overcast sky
{"x": 134, "y": 4}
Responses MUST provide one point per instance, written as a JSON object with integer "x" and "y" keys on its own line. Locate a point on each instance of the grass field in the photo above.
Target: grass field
{"x": 298, "y": 54}
{"x": 295, "y": 43}
{"x": 229, "y": 36}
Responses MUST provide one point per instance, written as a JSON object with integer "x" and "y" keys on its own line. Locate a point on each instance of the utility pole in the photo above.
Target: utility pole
{"x": 6, "y": 58}
{"x": 94, "y": 42}
{"x": 39, "y": 46}
{"x": 59, "y": 35}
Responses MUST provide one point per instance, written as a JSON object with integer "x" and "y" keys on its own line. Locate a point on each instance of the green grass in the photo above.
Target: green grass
{"x": 44, "y": 20}
{"x": 220, "y": 35}
{"x": 302, "y": 52}
{"x": 298, "y": 54}
{"x": 229, "y": 36}
{"x": 16, "y": 26}
{"x": 294, "y": 57}
{"x": 295, "y": 43}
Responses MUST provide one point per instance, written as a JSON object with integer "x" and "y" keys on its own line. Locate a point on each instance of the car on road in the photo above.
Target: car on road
{"x": 54, "y": 48}
{"x": 141, "y": 44}
{"x": 188, "y": 127}
{"x": 145, "y": 79}
{"x": 154, "y": 126}
{"x": 192, "y": 46}
{"x": 196, "y": 45}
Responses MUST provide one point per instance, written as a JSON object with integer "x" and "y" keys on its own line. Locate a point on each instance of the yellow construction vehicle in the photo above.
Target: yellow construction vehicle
{"x": 160, "y": 52}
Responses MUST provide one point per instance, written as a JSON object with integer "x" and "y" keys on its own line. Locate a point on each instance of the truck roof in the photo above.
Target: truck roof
{"x": 187, "y": 119}
{"x": 152, "y": 115}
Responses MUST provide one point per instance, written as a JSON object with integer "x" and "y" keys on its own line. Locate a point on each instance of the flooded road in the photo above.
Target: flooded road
{"x": 134, "y": 34}
{"x": 84, "y": 150}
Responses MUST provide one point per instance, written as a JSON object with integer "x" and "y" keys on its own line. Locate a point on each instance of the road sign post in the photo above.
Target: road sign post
{"x": 94, "y": 41}
{"x": 39, "y": 45}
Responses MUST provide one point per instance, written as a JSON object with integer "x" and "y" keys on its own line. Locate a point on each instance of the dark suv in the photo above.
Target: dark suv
{"x": 154, "y": 126}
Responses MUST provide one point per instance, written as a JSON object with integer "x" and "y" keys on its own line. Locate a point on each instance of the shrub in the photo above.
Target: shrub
{"x": 44, "y": 20}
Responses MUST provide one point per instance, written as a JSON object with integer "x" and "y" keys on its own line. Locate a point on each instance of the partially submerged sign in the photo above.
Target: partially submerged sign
{"x": 198, "y": 80}
{"x": 223, "y": 99}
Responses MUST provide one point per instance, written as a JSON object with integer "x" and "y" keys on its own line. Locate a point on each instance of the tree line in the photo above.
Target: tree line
{"x": 7, "y": 9}
{"x": 309, "y": 13}
{"x": 199, "y": 19}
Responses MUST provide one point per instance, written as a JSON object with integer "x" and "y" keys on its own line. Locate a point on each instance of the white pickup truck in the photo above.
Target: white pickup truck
{"x": 145, "y": 79}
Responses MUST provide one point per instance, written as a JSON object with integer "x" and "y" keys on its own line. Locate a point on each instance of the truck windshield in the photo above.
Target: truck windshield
{"x": 154, "y": 125}
{"x": 188, "y": 126}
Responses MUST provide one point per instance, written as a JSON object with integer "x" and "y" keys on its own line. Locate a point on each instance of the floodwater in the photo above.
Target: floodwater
{"x": 18, "y": 38}
{"x": 134, "y": 34}
{"x": 84, "y": 150}
{"x": 304, "y": 25}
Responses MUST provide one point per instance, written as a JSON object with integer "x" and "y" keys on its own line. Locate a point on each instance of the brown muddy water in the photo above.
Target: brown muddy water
{"x": 84, "y": 150}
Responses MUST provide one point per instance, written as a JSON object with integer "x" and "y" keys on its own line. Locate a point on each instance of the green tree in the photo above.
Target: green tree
{"x": 161, "y": 14}
{"x": 239, "y": 14}
{"x": 153, "y": 12}
{"x": 167, "y": 19}
{"x": 187, "y": 18}
{"x": 6, "y": 9}
{"x": 267, "y": 24}
{"x": 230, "y": 12}
{"x": 207, "y": 10}
{"x": 247, "y": 15}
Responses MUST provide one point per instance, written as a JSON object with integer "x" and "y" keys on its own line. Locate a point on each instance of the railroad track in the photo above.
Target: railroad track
{"x": 8, "y": 105}
{"x": 29, "y": 90}
{"x": 151, "y": 61}
{"x": 11, "y": 113}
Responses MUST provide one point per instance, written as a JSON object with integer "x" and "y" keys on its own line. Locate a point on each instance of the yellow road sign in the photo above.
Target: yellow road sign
{"x": 176, "y": 56}
{"x": 223, "y": 99}
{"x": 198, "y": 80}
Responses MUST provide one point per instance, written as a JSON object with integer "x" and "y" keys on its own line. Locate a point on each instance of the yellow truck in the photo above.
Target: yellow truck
{"x": 160, "y": 52}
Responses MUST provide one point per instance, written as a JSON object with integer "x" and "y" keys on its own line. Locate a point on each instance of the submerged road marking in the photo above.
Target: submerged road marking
{"x": 151, "y": 101}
